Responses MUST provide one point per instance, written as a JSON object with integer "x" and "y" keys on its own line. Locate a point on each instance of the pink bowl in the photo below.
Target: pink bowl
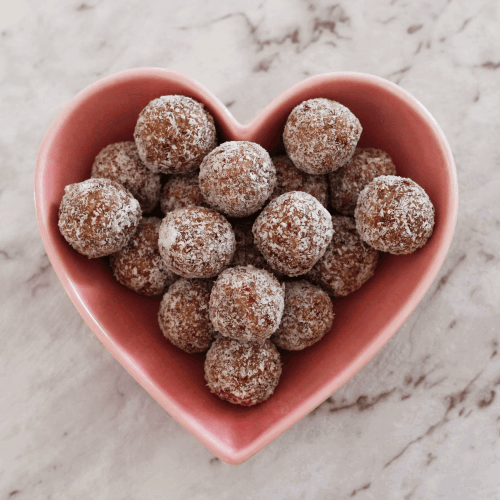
{"x": 106, "y": 112}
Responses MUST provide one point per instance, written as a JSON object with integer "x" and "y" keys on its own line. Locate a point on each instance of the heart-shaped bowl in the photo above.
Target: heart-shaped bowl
{"x": 126, "y": 323}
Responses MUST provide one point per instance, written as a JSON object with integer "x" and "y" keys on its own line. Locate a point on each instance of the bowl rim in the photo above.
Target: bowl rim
{"x": 223, "y": 450}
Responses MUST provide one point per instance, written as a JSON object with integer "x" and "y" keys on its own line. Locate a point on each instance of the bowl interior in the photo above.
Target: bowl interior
{"x": 126, "y": 323}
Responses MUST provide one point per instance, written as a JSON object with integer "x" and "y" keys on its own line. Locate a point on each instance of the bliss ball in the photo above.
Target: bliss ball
{"x": 320, "y": 135}
{"x": 174, "y": 133}
{"x": 348, "y": 261}
{"x": 307, "y": 316}
{"x": 183, "y": 315}
{"x": 246, "y": 304}
{"x": 120, "y": 162}
{"x": 237, "y": 178}
{"x": 139, "y": 265}
{"x": 348, "y": 181}
{"x": 98, "y": 217}
{"x": 196, "y": 242}
{"x": 292, "y": 232}
{"x": 181, "y": 191}
{"x": 394, "y": 215}
{"x": 244, "y": 374}
{"x": 290, "y": 178}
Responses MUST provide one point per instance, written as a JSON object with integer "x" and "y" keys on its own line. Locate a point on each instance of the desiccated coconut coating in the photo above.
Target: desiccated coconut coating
{"x": 290, "y": 178}
{"x": 246, "y": 304}
{"x": 98, "y": 217}
{"x": 320, "y": 135}
{"x": 237, "y": 178}
{"x": 244, "y": 374}
{"x": 394, "y": 215}
{"x": 292, "y": 232}
{"x": 307, "y": 316}
{"x": 348, "y": 261}
{"x": 139, "y": 265}
{"x": 183, "y": 315}
{"x": 181, "y": 191}
{"x": 120, "y": 162}
{"x": 196, "y": 242}
{"x": 174, "y": 133}
{"x": 348, "y": 181}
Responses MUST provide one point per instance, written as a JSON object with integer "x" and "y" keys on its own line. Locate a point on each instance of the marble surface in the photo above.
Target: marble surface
{"x": 420, "y": 421}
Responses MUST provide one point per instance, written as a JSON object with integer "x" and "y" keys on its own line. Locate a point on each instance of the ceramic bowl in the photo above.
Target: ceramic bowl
{"x": 126, "y": 323}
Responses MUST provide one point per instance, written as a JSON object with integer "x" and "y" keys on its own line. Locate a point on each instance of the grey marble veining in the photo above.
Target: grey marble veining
{"x": 420, "y": 421}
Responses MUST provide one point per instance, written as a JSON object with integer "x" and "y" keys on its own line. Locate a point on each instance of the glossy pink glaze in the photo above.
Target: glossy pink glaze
{"x": 106, "y": 112}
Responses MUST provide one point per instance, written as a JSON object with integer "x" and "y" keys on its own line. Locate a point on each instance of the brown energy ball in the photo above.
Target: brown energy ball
{"x": 348, "y": 261}
{"x": 98, "y": 217}
{"x": 244, "y": 374}
{"x": 120, "y": 162}
{"x": 348, "y": 181}
{"x": 139, "y": 265}
{"x": 181, "y": 191}
{"x": 237, "y": 178}
{"x": 196, "y": 242}
{"x": 307, "y": 316}
{"x": 183, "y": 315}
{"x": 174, "y": 133}
{"x": 290, "y": 178}
{"x": 320, "y": 135}
{"x": 394, "y": 215}
{"x": 246, "y": 304}
{"x": 292, "y": 232}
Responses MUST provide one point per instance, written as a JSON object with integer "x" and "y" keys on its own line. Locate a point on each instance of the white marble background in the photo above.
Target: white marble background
{"x": 421, "y": 421}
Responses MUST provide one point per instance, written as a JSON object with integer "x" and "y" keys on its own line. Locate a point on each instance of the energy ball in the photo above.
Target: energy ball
{"x": 237, "y": 178}
{"x": 307, "y": 316}
{"x": 98, "y": 217}
{"x": 348, "y": 261}
{"x": 120, "y": 162}
{"x": 246, "y": 304}
{"x": 347, "y": 182}
{"x": 290, "y": 178}
{"x": 139, "y": 265}
{"x": 174, "y": 133}
{"x": 320, "y": 135}
{"x": 244, "y": 374}
{"x": 183, "y": 315}
{"x": 196, "y": 242}
{"x": 292, "y": 232}
{"x": 181, "y": 191}
{"x": 394, "y": 215}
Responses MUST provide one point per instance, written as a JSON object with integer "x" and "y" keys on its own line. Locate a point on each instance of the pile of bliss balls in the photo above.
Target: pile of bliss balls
{"x": 246, "y": 254}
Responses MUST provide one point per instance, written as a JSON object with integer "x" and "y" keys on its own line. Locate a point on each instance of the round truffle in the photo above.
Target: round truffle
{"x": 246, "y": 304}
{"x": 290, "y": 178}
{"x": 348, "y": 261}
{"x": 348, "y": 181}
{"x": 320, "y": 135}
{"x": 98, "y": 217}
{"x": 181, "y": 191}
{"x": 174, "y": 133}
{"x": 292, "y": 232}
{"x": 183, "y": 315}
{"x": 139, "y": 265}
{"x": 394, "y": 215}
{"x": 120, "y": 162}
{"x": 307, "y": 316}
{"x": 196, "y": 242}
{"x": 244, "y": 374}
{"x": 237, "y": 178}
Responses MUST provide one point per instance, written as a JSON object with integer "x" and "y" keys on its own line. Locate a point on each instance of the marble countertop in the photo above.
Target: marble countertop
{"x": 420, "y": 421}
